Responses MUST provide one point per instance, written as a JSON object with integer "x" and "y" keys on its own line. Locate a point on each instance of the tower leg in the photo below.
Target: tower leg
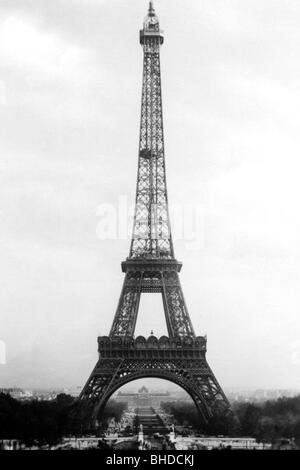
{"x": 126, "y": 314}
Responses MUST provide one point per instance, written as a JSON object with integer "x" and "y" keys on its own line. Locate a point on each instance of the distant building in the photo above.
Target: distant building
{"x": 209, "y": 443}
{"x": 260, "y": 395}
{"x": 144, "y": 398}
{"x": 73, "y": 391}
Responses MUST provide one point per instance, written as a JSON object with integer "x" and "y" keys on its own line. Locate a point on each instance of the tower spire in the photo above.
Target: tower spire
{"x": 151, "y": 8}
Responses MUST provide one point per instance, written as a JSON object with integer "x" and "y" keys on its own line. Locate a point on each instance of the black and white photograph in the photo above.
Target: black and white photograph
{"x": 150, "y": 228}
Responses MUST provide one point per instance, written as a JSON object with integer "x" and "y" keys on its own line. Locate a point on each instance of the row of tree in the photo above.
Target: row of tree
{"x": 271, "y": 420}
{"x": 49, "y": 421}
{"x": 44, "y": 422}
{"x": 267, "y": 421}
{"x": 186, "y": 415}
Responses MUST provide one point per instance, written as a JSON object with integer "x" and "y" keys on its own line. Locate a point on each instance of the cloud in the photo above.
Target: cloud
{"x": 45, "y": 73}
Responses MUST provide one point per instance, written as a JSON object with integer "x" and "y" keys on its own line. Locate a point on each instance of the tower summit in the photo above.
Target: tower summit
{"x": 151, "y": 267}
{"x": 151, "y": 26}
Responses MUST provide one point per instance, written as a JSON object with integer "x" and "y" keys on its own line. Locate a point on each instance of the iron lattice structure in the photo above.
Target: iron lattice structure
{"x": 151, "y": 267}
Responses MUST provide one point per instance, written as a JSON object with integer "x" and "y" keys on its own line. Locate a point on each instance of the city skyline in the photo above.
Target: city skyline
{"x": 230, "y": 110}
{"x": 153, "y": 386}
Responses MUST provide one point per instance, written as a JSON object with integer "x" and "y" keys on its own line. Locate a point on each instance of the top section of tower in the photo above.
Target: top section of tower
{"x": 151, "y": 238}
{"x": 151, "y": 27}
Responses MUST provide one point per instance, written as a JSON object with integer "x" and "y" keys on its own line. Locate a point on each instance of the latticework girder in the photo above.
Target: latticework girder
{"x": 151, "y": 267}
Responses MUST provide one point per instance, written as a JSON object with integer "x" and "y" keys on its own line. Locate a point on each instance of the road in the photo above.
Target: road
{"x": 150, "y": 420}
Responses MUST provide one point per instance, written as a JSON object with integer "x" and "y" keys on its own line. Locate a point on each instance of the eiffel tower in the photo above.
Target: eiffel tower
{"x": 151, "y": 267}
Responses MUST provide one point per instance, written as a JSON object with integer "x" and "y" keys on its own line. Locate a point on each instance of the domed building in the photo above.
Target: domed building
{"x": 143, "y": 398}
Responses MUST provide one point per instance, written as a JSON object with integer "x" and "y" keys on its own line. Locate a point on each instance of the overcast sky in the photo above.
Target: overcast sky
{"x": 70, "y": 90}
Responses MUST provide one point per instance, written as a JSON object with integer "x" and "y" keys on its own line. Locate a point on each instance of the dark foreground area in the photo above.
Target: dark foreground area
{"x": 48, "y": 421}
